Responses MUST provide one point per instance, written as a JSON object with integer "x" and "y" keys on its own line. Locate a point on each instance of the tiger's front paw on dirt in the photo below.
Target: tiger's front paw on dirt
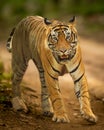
{"x": 61, "y": 118}
{"x": 48, "y": 113}
{"x": 89, "y": 117}
{"x": 18, "y": 104}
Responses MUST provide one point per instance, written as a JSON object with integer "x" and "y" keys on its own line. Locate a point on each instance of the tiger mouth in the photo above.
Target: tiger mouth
{"x": 64, "y": 58}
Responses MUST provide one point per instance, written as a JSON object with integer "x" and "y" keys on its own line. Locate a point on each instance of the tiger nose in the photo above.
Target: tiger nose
{"x": 63, "y": 50}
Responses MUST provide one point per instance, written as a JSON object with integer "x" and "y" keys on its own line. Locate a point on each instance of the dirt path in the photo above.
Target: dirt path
{"x": 93, "y": 56}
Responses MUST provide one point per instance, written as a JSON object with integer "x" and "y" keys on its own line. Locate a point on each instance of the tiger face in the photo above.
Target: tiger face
{"x": 62, "y": 41}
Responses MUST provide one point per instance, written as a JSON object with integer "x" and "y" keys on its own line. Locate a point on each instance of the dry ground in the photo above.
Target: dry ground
{"x": 93, "y": 57}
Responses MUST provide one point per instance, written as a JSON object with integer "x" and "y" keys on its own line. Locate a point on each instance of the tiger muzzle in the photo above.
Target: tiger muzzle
{"x": 64, "y": 55}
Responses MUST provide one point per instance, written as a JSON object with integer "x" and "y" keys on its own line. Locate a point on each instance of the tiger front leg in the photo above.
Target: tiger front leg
{"x": 56, "y": 99}
{"x": 45, "y": 101}
{"x": 47, "y": 109}
{"x": 81, "y": 91}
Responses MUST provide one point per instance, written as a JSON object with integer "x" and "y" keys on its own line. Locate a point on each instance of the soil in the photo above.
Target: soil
{"x": 93, "y": 57}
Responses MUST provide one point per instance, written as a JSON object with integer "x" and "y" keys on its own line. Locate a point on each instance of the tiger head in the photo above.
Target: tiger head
{"x": 62, "y": 40}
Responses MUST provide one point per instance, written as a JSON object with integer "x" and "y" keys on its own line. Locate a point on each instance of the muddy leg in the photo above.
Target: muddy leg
{"x": 46, "y": 104}
{"x": 18, "y": 72}
{"x": 45, "y": 101}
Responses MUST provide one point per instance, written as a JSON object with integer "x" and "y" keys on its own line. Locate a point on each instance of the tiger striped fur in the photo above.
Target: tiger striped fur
{"x": 52, "y": 45}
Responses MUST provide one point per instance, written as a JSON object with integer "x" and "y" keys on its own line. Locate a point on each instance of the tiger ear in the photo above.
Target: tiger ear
{"x": 72, "y": 20}
{"x": 47, "y": 21}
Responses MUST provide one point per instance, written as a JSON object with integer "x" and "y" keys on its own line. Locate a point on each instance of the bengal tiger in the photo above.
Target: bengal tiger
{"x": 53, "y": 46}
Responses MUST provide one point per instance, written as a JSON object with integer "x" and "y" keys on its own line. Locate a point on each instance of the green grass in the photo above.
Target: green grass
{"x": 5, "y": 84}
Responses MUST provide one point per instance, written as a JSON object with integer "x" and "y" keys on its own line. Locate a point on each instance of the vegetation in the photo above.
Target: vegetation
{"x": 12, "y": 11}
{"x": 15, "y": 9}
{"x": 5, "y": 84}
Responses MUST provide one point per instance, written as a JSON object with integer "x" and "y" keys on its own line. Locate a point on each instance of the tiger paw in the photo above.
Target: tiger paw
{"x": 48, "y": 113}
{"x": 61, "y": 118}
{"x": 18, "y": 104}
{"x": 89, "y": 117}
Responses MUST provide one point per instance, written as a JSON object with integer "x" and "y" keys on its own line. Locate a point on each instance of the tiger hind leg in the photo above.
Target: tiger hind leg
{"x": 17, "y": 102}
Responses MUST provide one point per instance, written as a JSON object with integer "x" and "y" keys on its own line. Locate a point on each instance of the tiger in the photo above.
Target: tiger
{"x": 54, "y": 48}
